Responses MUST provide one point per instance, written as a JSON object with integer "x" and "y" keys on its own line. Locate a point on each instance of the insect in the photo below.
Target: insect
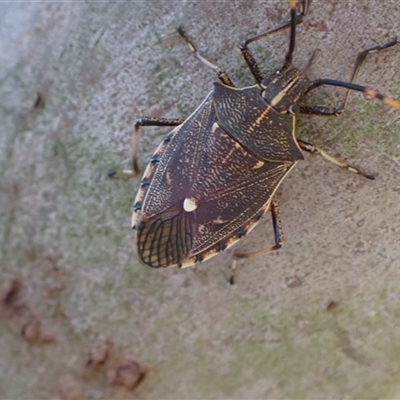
{"x": 216, "y": 173}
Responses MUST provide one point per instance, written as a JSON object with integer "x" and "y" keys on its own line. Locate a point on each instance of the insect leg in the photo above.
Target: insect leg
{"x": 279, "y": 240}
{"x": 295, "y": 20}
{"x": 311, "y": 148}
{"x": 222, "y": 75}
{"x": 135, "y": 142}
{"x": 360, "y": 59}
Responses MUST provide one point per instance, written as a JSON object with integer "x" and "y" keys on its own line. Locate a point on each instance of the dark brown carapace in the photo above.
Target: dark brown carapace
{"x": 216, "y": 173}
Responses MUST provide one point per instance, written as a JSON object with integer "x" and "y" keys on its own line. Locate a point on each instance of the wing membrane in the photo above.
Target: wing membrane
{"x": 166, "y": 239}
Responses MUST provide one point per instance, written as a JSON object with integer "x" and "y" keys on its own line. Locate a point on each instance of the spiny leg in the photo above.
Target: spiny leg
{"x": 295, "y": 20}
{"x": 135, "y": 143}
{"x": 279, "y": 240}
{"x": 360, "y": 59}
{"x": 222, "y": 75}
{"x": 311, "y": 148}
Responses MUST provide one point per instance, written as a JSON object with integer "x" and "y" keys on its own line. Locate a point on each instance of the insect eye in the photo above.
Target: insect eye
{"x": 294, "y": 109}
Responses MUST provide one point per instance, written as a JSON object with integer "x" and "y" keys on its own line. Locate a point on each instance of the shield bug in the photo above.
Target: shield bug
{"x": 216, "y": 173}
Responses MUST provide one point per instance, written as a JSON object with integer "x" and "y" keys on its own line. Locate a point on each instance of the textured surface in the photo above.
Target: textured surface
{"x": 318, "y": 319}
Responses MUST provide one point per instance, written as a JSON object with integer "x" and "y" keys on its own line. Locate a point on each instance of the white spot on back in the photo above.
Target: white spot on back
{"x": 189, "y": 205}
